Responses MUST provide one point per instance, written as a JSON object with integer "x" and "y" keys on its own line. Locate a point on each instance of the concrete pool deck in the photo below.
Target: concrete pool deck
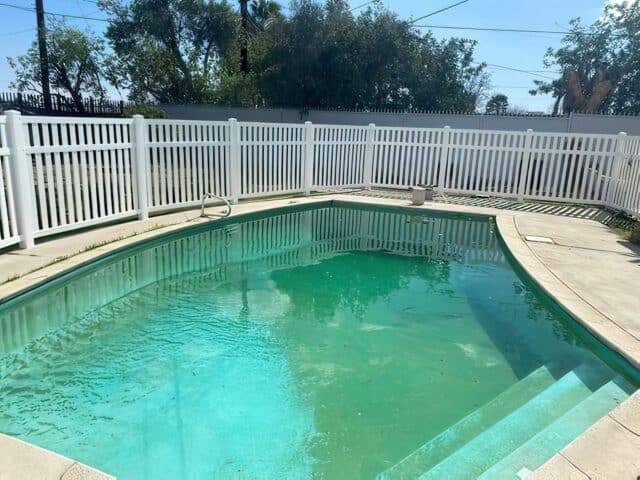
{"x": 579, "y": 262}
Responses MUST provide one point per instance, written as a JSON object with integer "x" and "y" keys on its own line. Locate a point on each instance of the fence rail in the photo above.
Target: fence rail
{"x": 63, "y": 173}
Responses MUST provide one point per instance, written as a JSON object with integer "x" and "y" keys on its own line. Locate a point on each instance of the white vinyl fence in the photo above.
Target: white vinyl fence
{"x": 81, "y": 171}
{"x": 64, "y": 173}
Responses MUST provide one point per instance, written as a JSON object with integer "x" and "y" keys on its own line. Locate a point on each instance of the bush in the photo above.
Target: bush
{"x": 147, "y": 111}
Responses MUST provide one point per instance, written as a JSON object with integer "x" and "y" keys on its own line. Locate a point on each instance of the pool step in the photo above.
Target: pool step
{"x": 560, "y": 433}
{"x": 448, "y": 441}
{"x": 499, "y": 440}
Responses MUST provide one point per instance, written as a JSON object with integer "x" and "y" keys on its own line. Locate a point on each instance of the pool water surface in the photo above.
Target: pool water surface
{"x": 336, "y": 341}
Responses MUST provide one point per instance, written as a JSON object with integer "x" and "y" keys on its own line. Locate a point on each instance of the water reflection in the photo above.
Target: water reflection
{"x": 295, "y": 238}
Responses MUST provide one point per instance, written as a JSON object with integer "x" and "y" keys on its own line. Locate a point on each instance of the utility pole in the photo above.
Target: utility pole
{"x": 44, "y": 58}
{"x": 244, "y": 54}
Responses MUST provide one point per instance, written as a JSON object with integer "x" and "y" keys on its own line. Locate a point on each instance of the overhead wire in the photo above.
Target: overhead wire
{"x": 453, "y": 5}
{"x": 520, "y": 70}
{"x": 55, "y": 14}
{"x": 362, "y": 5}
{"x": 8, "y": 34}
{"x": 503, "y": 30}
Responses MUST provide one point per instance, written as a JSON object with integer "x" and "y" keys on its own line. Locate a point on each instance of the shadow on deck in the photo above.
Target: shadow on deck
{"x": 589, "y": 212}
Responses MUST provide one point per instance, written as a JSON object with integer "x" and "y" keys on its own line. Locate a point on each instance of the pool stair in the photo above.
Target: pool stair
{"x": 545, "y": 415}
{"x": 553, "y": 438}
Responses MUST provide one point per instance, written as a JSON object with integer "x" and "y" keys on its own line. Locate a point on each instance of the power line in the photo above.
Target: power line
{"x": 8, "y": 34}
{"x": 18, "y": 7}
{"x": 362, "y": 5}
{"x": 530, "y": 72}
{"x": 55, "y": 14}
{"x": 517, "y": 30}
{"x": 82, "y": 11}
{"x": 79, "y": 17}
{"x": 438, "y": 11}
{"x": 505, "y": 30}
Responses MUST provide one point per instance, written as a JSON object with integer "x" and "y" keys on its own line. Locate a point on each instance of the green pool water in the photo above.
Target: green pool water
{"x": 329, "y": 342}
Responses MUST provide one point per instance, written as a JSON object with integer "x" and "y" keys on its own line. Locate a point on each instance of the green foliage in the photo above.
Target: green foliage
{"x": 262, "y": 13}
{"x": 236, "y": 88}
{"x": 321, "y": 55}
{"x": 186, "y": 51}
{"x": 599, "y": 64}
{"x": 497, "y": 104}
{"x": 147, "y": 111}
{"x": 169, "y": 50}
{"x": 75, "y": 64}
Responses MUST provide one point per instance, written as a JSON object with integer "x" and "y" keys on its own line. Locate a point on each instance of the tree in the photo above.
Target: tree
{"x": 497, "y": 104}
{"x": 322, "y": 55}
{"x": 169, "y": 50}
{"x": 75, "y": 64}
{"x": 477, "y": 83}
{"x": 599, "y": 65}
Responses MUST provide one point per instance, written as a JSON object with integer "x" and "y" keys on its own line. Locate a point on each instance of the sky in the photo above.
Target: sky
{"x": 522, "y": 51}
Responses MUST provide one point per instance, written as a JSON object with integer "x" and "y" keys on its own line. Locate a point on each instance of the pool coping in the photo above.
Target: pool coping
{"x": 597, "y": 323}
{"x": 28, "y": 461}
{"x": 624, "y": 421}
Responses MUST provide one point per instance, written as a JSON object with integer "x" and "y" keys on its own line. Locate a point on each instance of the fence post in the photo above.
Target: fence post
{"x": 614, "y": 179}
{"x": 234, "y": 160}
{"x": 307, "y": 181}
{"x": 21, "y": 179}
{"x": 444, "y": 159}
{"x": 141, "y": 166}
{"x": 368, "y": 157}
{"x": 524, "y": 168}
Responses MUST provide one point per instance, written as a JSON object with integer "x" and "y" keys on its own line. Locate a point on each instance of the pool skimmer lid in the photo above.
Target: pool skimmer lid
{"x": 536, "y": 239}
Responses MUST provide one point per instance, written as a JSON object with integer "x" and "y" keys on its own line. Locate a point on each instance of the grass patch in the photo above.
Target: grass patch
{"x": 623, "y": 233}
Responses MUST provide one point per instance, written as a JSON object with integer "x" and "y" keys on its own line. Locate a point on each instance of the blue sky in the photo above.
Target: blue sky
{"x": 521, "y": 51}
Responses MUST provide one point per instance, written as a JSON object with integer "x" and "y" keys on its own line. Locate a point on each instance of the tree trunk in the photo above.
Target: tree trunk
{"x": 575, "y": 99}
{"x": 603, "y": 85}
{"x": 184, "y": 68}
{"x": 63, "y": 78}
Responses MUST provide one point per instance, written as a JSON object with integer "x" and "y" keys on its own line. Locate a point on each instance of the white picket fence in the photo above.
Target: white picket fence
{"x": 64, "y": 173}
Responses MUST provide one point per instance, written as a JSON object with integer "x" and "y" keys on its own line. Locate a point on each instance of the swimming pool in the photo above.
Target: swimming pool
{"x": 326, "y": 341}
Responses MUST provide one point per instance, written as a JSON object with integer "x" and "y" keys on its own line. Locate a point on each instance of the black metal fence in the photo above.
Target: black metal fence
{"x": 61, "y": 105}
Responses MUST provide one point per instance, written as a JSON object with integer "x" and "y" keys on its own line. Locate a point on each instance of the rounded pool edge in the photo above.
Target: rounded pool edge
{"x": 595, "y": 322}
